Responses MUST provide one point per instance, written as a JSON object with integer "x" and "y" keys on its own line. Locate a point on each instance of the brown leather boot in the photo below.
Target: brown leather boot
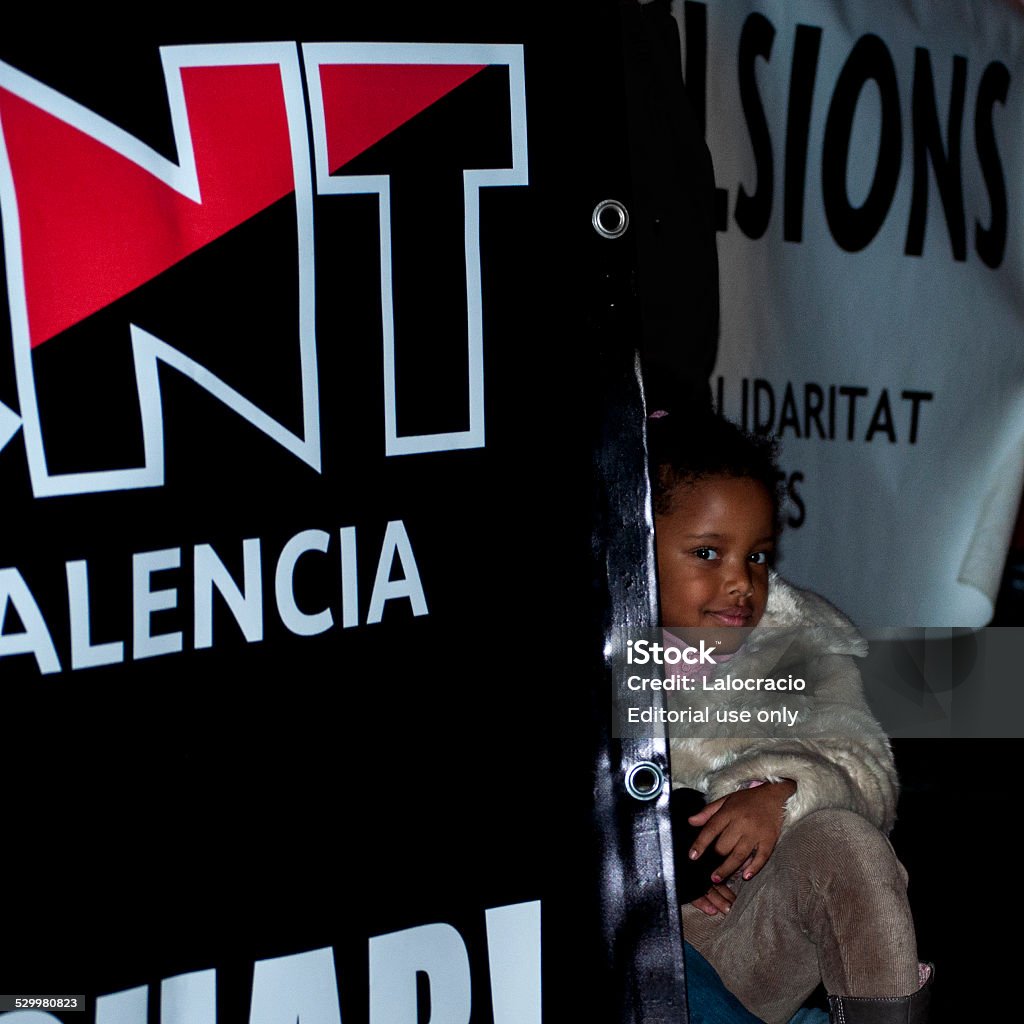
{"x": 911, "y": 1009}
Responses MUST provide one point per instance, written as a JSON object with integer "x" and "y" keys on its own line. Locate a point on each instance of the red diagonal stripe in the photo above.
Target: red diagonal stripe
{"x": 365, "y": 102}
{"x": 95, "y": 226}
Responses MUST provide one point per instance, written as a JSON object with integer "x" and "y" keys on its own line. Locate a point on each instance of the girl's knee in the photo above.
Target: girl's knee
{"x": 841, "y": 844}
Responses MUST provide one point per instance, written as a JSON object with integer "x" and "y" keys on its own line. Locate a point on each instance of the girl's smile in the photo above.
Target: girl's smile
{"x": 714, "y": 549}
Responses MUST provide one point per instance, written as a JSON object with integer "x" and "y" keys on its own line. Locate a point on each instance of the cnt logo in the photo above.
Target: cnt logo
{"x": 99, "y": 227}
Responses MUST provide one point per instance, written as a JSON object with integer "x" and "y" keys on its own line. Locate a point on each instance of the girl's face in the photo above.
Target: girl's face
{"x": 714, "y": 547}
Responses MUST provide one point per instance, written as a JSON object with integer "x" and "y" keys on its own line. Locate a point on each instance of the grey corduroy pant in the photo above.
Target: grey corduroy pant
{"x": 830, "y": 906}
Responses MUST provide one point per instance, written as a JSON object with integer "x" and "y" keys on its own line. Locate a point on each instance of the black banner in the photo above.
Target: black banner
{"x": 318, "y": 360}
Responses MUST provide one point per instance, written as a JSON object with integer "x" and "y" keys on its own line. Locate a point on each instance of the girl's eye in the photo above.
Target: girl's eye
{"x": 760, "y": 557}
{"x": 706, "y": 553}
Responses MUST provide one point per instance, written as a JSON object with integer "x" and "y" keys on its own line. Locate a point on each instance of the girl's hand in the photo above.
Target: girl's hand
{"x": 719, "y": 898}
{"x": 744, "y": 827}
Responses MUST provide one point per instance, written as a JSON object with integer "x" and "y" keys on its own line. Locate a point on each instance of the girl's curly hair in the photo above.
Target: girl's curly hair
{"x": 684, "y": 449}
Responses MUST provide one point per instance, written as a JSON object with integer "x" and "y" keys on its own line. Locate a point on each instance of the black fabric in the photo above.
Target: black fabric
{"x": 693, "y": 877}
{"x": 672, "y": 214}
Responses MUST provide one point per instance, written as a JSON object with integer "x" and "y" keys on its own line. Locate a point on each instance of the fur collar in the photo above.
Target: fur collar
{"x": 822, "y": 623}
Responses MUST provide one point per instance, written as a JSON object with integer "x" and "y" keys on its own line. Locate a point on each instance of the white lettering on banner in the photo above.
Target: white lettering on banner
{"x": 317, "y": 56}
{"x": 395, "y": 959}
{"x": 299, "y": 989}
{"x": 298, "y": 621}
{"x": 35, "y": 637}
{"x": 513, "y": 956}
{"x": 396, "y": 542}
{"x": 145, "y": 601}
{"x": 128, "y": 1007}
{"x": 244, "y": 602}
{"x": 303, "y": 988}
{"x": 349, "y": 578}
{"x": 184, "y": 999}
{"x": 84, "y": 653}
{"x": 189, "y": 195}
{"x": 190, "y": 998}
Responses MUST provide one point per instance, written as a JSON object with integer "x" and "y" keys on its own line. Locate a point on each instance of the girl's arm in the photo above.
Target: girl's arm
{"x": 744, "y": 827}
{"x": 842, "y": 759}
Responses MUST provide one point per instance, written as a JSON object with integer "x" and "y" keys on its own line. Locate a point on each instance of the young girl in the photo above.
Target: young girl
{"x": 809, "y": 890}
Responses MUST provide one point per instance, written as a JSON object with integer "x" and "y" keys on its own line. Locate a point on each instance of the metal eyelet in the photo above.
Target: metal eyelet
{"x": 645, "y": 781}
{"x": 610, "y": 219}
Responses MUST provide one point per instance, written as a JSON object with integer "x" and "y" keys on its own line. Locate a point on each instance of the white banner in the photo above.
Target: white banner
{"x": 869, "y": 157}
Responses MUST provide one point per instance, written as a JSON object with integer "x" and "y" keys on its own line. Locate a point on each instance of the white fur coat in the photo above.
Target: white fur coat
{"x": 838, "y": 756}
